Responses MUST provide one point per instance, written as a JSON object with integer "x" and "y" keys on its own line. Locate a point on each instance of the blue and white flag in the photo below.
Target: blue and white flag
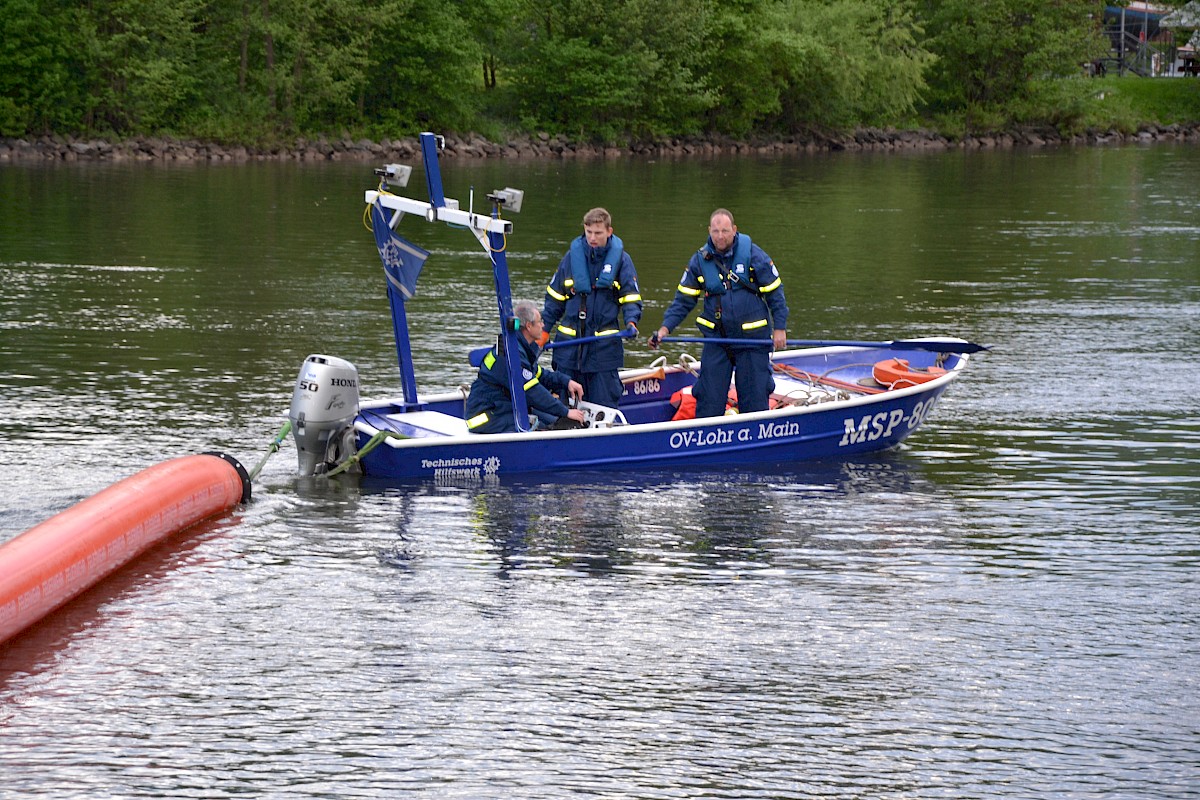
{"x": 402, "y": 260}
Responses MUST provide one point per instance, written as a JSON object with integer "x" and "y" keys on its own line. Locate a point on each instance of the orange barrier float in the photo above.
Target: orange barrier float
{"x": 895, "y": 373}
{"x": 51, "y": 563}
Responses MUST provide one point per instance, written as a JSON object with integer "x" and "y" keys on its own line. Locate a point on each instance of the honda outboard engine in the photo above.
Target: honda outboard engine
{"x": 324, "y": 405}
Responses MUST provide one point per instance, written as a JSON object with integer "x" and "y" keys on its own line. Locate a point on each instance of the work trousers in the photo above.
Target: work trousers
{"x": 602, "y": 388}
{"x": 750, "y": 369}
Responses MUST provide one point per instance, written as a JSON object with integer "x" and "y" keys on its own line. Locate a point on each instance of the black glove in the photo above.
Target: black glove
{"x": 566, "y": 424}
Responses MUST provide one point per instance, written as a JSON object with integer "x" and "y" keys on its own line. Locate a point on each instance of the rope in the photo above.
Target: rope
{"x": 342, "y": 467}
{"x": 274, "y": 448}
{"x": 503, "y": 236}
{"x": 371, "y": 444}
{"x": 367, "y": 207}
{"x": 815, "y": 380}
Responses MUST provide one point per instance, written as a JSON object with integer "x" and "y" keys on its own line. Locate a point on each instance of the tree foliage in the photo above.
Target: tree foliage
{"x": 243, "y": 70}
{"x": 422, "y": 69}
{"x": 35, "y": 77}
{"x": 628, "y": 67}
{"x": 989, "y": 51}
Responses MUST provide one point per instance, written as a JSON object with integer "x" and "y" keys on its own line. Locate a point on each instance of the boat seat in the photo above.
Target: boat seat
{"x": 426, "y": 424}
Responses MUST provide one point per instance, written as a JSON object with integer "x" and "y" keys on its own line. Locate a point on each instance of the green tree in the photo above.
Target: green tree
{"x": 421, "y": 71}
{"x": 35, "y": 77}
{"x": 789, "y": 65}
{"x": 606, "y": 71}
{"x": 746, "y": 64}
{"x": 228, "y": 68}
{"x": 136, "y": 62}
{"x": 989, "y": 51}
{"x": 494, "y": 29}
{"x": 309, "y": 58}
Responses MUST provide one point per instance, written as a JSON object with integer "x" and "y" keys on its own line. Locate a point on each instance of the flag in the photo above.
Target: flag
{"x": 402, "y": 260}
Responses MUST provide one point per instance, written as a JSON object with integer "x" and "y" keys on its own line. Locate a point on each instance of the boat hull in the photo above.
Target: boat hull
{"x": 852, "y": 419}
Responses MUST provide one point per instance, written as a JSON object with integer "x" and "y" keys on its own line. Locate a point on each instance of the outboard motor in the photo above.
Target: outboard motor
{"x": 324, "y": 405}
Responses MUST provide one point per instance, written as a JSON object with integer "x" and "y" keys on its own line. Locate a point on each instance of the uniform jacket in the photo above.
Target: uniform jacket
{"x": 609, "y": 294}
{"x": 741, "y": 288}
{"x": 490, "y": 394}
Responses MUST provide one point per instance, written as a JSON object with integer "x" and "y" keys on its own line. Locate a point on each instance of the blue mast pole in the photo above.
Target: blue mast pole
{"x": 408, "y": 375}
{"x": 437, "y": 199}
{"x": 439, "y": 209}
{"x": 433, "y": 173}
{"x": 509, "y": 326}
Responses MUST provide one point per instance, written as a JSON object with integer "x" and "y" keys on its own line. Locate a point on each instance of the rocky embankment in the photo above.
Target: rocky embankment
{"x": 65, "y": 148}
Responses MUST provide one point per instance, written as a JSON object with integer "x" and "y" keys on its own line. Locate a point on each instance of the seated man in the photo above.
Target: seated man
{"x": 489, "y": 404}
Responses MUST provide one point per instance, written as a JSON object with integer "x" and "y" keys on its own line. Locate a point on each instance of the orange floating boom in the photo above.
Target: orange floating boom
{"x": 49, "y": 564}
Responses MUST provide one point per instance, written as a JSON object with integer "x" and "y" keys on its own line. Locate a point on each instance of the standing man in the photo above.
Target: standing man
{"x": 489, "y": 404}
{"x": 743, "y": 299}
{"x": 595, "y": 283}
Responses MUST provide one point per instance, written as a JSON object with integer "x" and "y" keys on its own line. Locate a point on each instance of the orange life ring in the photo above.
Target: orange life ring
{"x": 895, "y": 373}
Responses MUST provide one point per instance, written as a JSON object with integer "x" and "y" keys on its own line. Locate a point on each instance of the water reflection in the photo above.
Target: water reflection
{"x": 528, "y": 525}
{"x": 998, "y": 609}
{"x": 145, "y": 580}
{"x": 674, "y": 525}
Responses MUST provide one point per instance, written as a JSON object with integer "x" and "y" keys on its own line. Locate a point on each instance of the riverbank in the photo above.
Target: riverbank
{"x": 66, "y": 148}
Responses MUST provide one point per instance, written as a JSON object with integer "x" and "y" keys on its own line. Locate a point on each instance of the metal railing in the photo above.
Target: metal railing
{"x": 1130, "y": 54}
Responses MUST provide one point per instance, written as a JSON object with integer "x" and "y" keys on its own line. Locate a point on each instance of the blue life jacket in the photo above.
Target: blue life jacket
{"x": 714, "y": 282}
{"x": 581, "y": 273}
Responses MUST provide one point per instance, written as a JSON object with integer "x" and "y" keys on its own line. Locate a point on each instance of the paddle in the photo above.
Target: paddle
{"x": 934, "y": 345}
{"x": 625, "y": 334}
{"x": 657, "y": 373}
{"x": 475, "y": 358}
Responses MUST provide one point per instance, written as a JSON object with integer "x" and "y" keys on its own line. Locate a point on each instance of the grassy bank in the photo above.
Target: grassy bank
{"x": 1078, "y": 105}
{"x": 1117, "y": 103}
{"x": 1165, "y": 101}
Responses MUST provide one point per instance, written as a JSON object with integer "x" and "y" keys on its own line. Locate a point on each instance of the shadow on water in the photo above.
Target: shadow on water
{"x": 696, "y": 524}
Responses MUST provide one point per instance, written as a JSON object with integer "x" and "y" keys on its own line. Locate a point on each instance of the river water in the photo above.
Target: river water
{"x": 1006, "y": 606}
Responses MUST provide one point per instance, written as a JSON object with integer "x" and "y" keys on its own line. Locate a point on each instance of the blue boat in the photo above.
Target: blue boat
{"x": 832, "y": 399}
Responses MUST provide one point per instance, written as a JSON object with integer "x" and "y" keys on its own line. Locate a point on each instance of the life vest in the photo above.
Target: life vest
{"x": 684, "y": 404}
{"x": 581, "y": 272}
{"x": 739, "y": 273}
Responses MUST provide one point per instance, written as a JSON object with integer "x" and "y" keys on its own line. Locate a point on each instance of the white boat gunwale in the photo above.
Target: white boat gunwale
{"x": 782, "y": 412}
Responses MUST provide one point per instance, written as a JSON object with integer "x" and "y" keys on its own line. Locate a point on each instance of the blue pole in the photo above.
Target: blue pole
{"x": 932, "y": 345}
{"x": 625, "y": 334}
{"x": 433, "y": 174}
{"x": 437, "y": 198}
{"x": 408, "y": 375}
{"x": 510, "y": 335}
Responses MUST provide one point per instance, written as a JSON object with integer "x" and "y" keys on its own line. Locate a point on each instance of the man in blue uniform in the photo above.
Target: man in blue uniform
{"x": 594, "y": 285}
{"x": 743, "y": 299}
{"x": 489, "y": 404}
